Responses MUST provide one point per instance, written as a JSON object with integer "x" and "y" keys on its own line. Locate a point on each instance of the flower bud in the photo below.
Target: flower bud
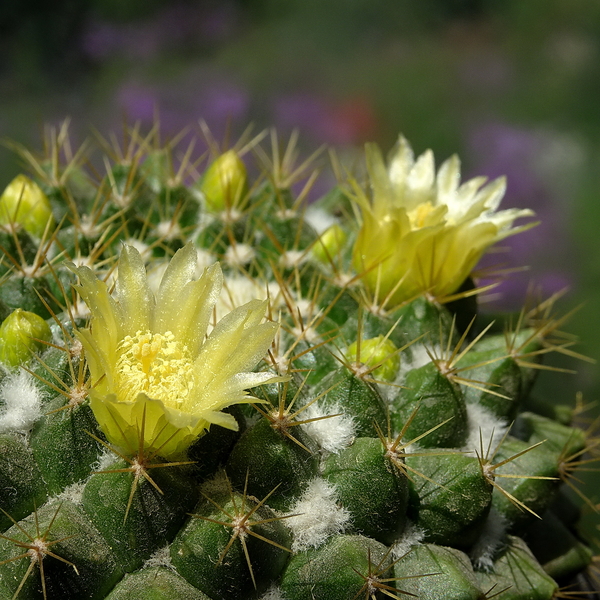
{"x": 224, "y": 182}
{"x": 22, "y": 333}
{"x": 376, "y": 351}
{"x": 24, "y": 203}
{"x": 330, "y": 244}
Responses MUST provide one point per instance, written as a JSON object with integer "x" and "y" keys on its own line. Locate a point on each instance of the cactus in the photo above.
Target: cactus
{"x": 211, "y": 389}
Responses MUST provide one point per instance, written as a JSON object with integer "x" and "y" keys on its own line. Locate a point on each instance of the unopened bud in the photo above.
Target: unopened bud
{"x": 329, "y": 244}
{"x": 224, "y": 182}
{"x": 24, "y": 203}
{"x": 373, "y": 352}
{"x": 21, "y": 334}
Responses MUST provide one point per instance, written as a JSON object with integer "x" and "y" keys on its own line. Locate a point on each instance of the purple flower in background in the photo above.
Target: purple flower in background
{"x": 179, "y": 105}
{"x": 176, "y": 25}
{"x": 301, "y": 111}
{"x": 223, "y": 101}
{"x": 504, "y": 150}
{"x": 131, "y": 41}
{"x": 217, "y": 100}
{"x": 137, "y": 102}
{"x": 534, "y": 163}
{"x": 100, "y": 40}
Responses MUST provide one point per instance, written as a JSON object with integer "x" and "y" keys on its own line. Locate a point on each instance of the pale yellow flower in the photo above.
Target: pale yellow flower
{"x": 423, "y": 233}
{"x": 158, "y": 379}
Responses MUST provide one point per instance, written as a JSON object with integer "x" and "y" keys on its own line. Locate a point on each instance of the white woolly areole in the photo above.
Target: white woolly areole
{"x": 217, "y": 485}
{"x": 286, "y": 214}
{"x": 105, "y": 460}
{"x": 308, "y": 313}
{"x": 22, "y": 401}
{"x": 291, "y": 259}
{"x": 419, "y": 310}
{"x": 333, "y": 433}
{"x": 320, "y": 220}
{"x": 420, "y": 356}
{"x": 88, "y": 227}
{"x": 307, "y": 333}
{"x": 412, "y": 536}
{"x": 484, "y": 425}
{"x": 238, "y": 290}
{"x": 168, "y": 230}
{"x": 80, "y": 310}
{"x": 161, "y": 558}
{"x": 78, "y": 261}
{"x": 239, "y": 255}
{"x": 306, "y": 309}
{"x": 491, "y": 540}
{"x": 204, "y": 218}
{"x": 73, "y": 493}
{"x": 318, "y": 516}
{"x": 273, "y": 593}
{"x": 281, "y": 362}
{"x": 344, "y": 279}
{"x": 230, "y": 215}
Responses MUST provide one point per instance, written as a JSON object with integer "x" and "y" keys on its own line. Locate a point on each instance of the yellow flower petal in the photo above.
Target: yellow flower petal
{"x": 133, "y": 293}
{"x": 185, "y": 306}
{"x": 146, "y": 425}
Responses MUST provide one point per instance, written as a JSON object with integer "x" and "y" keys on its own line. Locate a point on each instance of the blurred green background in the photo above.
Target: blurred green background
{"x": 513, "y": 86}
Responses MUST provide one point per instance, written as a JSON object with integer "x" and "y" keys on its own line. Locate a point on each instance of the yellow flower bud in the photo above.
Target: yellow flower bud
{"x": 329, "y": 244}
{"x": 21, "y": 334}
{"x": 376, "y": 351}
{"x": 224, "y": 182}
{"x": 24, "y": 203}
{"x": 422, "y": 232}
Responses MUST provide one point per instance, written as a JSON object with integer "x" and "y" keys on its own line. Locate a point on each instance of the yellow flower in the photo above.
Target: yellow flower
{"x": 422, "y": 233}
{"x": 158, "y": 380}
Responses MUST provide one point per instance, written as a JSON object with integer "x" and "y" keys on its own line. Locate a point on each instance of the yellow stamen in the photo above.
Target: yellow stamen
{"x": 155, "y": 364}
{"x": 418, "y": 215}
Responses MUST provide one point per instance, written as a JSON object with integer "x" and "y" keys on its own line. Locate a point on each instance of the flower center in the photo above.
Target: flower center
{"x": 154, "y": 363}
{"x": 418, "y": 214}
